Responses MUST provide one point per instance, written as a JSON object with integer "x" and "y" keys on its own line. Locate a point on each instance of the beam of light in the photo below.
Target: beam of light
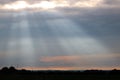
{"x": 71, "y": 36}
{"x": 20, "y": 45}
{"x": 50, "y": 36}
{"x": 80, "y": 42}
{"x": 26, "y": 43}
{"x": 61, "y": 36}
{"x": 12, "y": 46}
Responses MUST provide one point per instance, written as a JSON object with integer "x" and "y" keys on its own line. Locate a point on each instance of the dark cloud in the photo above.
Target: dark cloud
{"x": 100, "y": 23}
{"x": 6, "y": 1}
{"x": 112, "y": 2}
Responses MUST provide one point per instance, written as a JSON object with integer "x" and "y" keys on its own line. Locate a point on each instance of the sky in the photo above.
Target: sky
{"x": 60, "y": 34}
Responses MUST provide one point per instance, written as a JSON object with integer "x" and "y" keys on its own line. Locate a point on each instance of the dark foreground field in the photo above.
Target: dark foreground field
{"x": 12, "y": 74}
{"x": 59, "y": 77}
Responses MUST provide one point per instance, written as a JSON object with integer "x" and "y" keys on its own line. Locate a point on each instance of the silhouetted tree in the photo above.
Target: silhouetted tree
{"x": 12, "y": 69}
{"x": 4, "y": 69}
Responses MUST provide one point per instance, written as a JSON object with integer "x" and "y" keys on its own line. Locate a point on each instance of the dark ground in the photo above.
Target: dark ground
{"x": 13, "y": 74}
{"x": 59, "y": 77}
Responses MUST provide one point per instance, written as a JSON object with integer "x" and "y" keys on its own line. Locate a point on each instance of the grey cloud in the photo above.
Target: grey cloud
{"x": 6, "y": 1}
{"x": 112, "y": 2}
{"x": 101, "y": 23}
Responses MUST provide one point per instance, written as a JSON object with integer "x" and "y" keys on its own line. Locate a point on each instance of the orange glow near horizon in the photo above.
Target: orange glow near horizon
{"x": 59, "y": 58}
{"x": 68, "y": 68}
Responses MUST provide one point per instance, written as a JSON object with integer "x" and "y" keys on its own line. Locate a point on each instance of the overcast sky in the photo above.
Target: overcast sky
{"x": 60, "y": 34}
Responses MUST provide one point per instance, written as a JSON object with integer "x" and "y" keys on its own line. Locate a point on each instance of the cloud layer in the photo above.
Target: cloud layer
{"x": 30, "y": 4}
